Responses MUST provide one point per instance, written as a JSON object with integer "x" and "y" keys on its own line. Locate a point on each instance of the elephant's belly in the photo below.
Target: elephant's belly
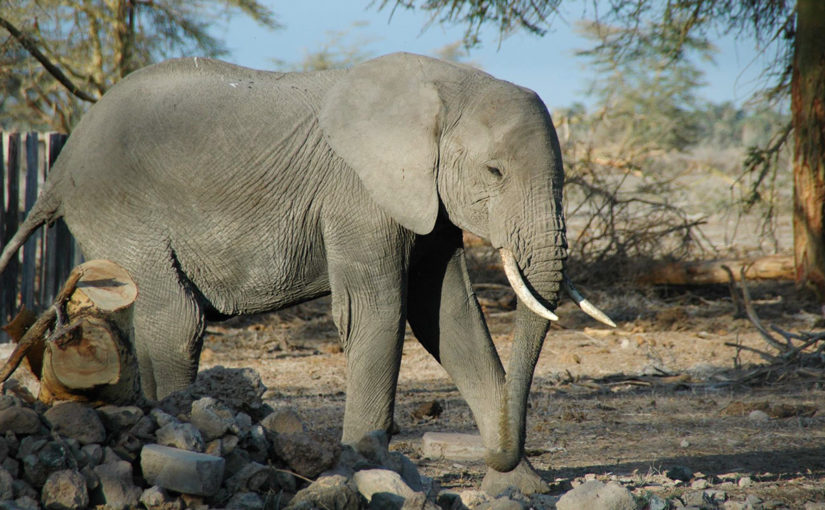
{"x": 242, "y": 283}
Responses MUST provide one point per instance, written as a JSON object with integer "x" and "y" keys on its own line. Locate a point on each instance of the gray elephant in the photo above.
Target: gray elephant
{"x": 226, "y": 191}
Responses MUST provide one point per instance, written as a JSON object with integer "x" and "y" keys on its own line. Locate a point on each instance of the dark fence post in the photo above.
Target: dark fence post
{"x": 30, "y": 251}
{"x": 9, "y": 287}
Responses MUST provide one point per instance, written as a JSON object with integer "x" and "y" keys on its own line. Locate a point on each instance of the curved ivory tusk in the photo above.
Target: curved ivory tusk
{"x": 517, "y": 282}
{"x": 586, "y": 306}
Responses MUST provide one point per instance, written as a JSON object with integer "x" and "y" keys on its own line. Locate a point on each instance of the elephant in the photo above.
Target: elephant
{"x": 226, "y": 191}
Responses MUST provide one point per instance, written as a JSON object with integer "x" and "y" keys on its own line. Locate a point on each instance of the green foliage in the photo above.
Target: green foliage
{"x": 647, "y": 96}
{"x": 97, "y": 42}
{"x": 506, "y": 15}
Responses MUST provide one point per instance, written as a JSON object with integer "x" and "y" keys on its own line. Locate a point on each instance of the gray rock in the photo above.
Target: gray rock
{"x": 595, "y": 495}
{"x": 402, "y": 465}
{"x": 23, "y": 489}
{"x": 117, "y": 489}
{"x": 26, "y": 503}
{"x": 7, "y": 401}
{"x": 181, "y": 470}
{"x": 6, "y": 485}
{"x": 245, "y": 501}
{"x": 502, "y": 504}
{"x": 452, "y": 446}
{"x": 758, "y": 416}
{"x": 681, "y": 473}
{"x": 161, "y": 417}
{"x": 75, "y": 420}
{"x": 93, "y": 454}
{"x": 19, "y": 420}
{"x": 117, "y": 418}
{"x": 180, "y": 435}
{"x": 155, "y": 498}
{"x": 654, "y": 502}
{"x": 304, "y": 454}
{"x": 65, "y": 490}
{"x": 251, "y": 477}
{"x": 283, "y": 421}
{"x": 329, "y": 492}
{"x": 12, "y": 466}
{"x": 211, "y": 417}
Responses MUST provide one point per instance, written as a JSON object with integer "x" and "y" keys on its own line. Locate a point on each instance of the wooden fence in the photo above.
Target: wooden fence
{"x": 35, "y": 276}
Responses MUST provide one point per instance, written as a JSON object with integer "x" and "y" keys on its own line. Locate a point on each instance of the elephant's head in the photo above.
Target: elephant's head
{"x": 424, "y": 134}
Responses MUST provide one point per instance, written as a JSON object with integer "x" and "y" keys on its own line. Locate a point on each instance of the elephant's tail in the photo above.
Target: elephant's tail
{"x": 45, "y": 210}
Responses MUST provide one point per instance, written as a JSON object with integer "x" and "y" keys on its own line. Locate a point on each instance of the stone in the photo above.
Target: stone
{"x": 402, "y": 465}
{"x": 252, "y": 477}
{"x": 182, "y": 470}
{"x": 117, "y": 418}
{"x": 161, "y": 417}
{"x": 75, "y": 420}
{"x": 19, "y": 420}
{"x": 211, "y": 417}
{"x": 304, "y": 454}
{"x": 654, "y": 502}
{"x": 745, "y": 481}
{"x": 700, "y": 484}
{"x": 681, "y": 473}
{"x": 333, "y": 492}
{"x": 372, "y": 481}
{"x": 93, "y": 454}
{"x": 502, "y": 504}
{"x": 65, "y": 490}
{"x": 452, "y": 446}
{"x": 117, "y": 489}
{"x": 257, "y": 444}
{"x": 155, "y": 498}
{"x": 472, "y": 498}
{"x": 6, "y": 485}
{"x": 595, "y": 495}
{"x": 184, "y": 436}
{"x": 758, "y": 416}
{"x": 245, "y": 501}
{"x": 374, "y": 447}
{"x": 283, "y": 421}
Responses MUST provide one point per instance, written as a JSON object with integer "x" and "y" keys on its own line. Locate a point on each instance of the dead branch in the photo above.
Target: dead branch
{"x": 31, "y": 46}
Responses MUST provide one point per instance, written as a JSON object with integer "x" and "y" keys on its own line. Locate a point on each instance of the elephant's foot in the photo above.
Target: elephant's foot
{"x": 523, "y": 477}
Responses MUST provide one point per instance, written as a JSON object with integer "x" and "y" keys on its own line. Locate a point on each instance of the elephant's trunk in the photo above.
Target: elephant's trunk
{"x": 543, "y": 284}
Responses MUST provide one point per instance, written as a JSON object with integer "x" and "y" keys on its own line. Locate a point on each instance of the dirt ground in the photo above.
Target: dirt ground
{"x": 664, "y": 389}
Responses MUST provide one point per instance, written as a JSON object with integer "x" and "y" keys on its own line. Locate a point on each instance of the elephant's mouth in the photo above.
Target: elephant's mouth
{"x": 526, "y": 296}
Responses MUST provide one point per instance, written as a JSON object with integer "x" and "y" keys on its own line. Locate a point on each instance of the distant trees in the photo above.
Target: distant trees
{"x": 60, "y": 54}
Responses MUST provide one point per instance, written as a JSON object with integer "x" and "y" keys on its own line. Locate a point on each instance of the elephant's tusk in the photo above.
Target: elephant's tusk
{"x": 517, "y": 282}
{"x": 586, "y": 306}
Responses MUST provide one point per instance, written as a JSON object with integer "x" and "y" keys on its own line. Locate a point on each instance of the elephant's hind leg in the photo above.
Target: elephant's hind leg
{"x": 169, "y": 325}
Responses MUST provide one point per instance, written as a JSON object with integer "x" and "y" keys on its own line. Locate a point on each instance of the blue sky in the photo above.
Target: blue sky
{"x": 546, "y": 64}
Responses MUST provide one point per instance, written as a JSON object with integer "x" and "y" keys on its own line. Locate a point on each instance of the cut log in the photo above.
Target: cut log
{"x": 85, "y": 340}
{"x": 772, "y": 267}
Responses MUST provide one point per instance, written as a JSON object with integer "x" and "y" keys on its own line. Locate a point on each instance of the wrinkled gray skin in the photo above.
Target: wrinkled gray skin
{"x": 227, "y": 191}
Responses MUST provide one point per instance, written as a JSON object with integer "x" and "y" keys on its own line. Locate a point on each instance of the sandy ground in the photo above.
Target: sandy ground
{"x": 664, "y": 389}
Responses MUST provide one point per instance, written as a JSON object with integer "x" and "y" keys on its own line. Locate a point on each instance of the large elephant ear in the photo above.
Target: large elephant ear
{"x": 383, "y": 119}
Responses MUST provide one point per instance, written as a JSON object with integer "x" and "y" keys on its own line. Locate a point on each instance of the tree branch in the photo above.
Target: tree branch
{"x": 31, "y": 47}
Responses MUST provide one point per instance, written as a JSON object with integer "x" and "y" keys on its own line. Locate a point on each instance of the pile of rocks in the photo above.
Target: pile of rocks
{"x": 214, "y": 445}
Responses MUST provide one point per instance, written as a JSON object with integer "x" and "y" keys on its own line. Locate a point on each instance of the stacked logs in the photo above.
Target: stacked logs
{"x": 81, "y": 348}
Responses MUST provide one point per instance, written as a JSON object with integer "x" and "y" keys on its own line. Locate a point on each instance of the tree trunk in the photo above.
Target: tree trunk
{"x": 771, "y": 267}
{"x": 82, "y": 347}
{"x": 808, "y": 110}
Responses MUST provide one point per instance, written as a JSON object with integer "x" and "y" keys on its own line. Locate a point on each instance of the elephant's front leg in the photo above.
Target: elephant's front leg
{"x": 368, "y": 310}
{"x": 446, "y": 318}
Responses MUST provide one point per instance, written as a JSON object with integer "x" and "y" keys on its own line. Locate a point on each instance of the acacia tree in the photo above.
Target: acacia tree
{"x": 61, "y": 55}
{"x": 793, "y": 26}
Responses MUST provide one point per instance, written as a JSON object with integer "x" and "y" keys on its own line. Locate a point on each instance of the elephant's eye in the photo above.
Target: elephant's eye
{"x": 494, "y": 171}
